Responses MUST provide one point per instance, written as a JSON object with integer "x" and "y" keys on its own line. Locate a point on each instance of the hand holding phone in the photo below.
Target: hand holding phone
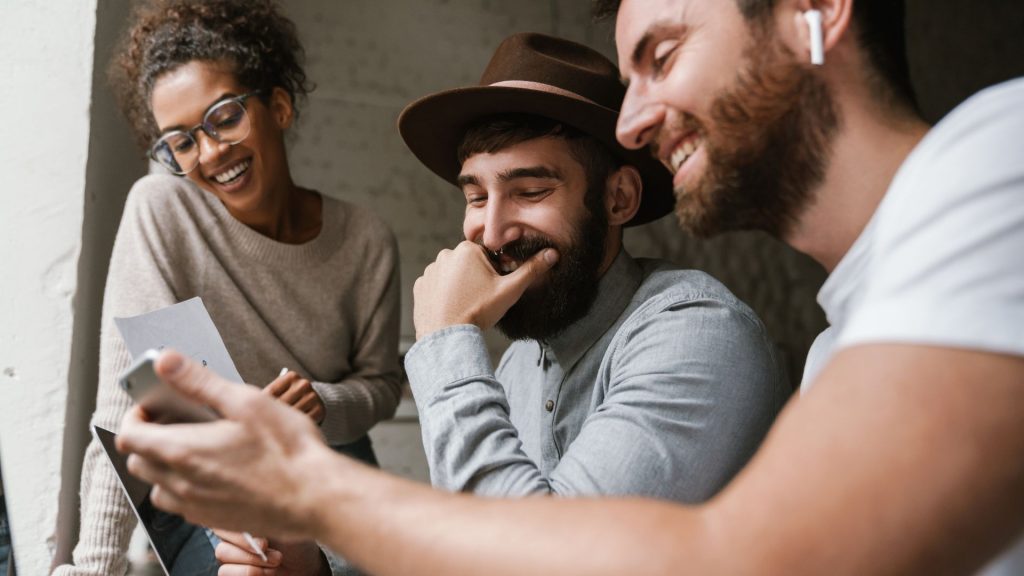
{"x": 162, "y": 403}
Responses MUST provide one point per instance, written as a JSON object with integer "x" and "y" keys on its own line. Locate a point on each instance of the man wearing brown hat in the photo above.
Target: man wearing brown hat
{"x": 627, "y": 376}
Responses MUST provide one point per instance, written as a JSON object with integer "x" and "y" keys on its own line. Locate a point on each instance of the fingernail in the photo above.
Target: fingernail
{"x": 551, "y": 256}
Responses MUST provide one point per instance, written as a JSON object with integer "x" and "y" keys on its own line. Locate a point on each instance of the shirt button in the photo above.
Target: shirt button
{"x": 549, "y": 405}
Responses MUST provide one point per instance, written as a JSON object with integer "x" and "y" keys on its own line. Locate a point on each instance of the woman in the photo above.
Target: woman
{"x": 292, "y": 278}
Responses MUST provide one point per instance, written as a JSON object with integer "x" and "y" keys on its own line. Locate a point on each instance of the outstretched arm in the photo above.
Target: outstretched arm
{"x": 902, "y": 459}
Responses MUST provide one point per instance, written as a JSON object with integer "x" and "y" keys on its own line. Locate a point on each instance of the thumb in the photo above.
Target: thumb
{"x": 530, "y": 270}
{"x": 199, "y": 383}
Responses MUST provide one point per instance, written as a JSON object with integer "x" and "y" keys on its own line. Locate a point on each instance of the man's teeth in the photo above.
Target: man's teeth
{"x": 509, "y": 267}
{"x": 232, "y": 173}
{"x": 682, "y": 153}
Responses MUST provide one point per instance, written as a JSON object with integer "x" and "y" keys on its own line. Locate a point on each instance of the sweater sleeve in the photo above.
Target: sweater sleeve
{"x": 370, "y": 393}
{"x": 138, "y": 280}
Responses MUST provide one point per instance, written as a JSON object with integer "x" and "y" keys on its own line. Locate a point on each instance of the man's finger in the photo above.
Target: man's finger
{"x": 199, "y": 383}
{"x": 167, "y": 501}
{"x": 530, "y": 270}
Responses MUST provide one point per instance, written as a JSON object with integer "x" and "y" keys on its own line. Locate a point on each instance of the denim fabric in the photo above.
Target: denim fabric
{"x": 664, "y": 389}
{"x": 186, "y": 549}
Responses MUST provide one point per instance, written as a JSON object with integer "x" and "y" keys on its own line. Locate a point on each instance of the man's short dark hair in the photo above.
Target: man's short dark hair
{"x": 495, "y": 133}
{"x": 881, "y": 32}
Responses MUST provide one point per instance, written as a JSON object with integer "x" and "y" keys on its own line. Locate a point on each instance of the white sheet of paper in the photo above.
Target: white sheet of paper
{"x": 186, "y": 327}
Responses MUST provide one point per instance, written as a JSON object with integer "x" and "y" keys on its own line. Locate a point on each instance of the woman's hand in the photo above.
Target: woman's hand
{"x": 302, "y": 558}
{"x": 297, "y": 391}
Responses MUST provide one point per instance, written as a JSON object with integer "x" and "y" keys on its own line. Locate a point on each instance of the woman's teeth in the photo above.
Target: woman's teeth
{"x": 232, "y": 173}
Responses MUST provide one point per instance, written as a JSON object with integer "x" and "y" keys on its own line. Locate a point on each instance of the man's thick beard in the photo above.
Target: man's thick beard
{"x": 569, "y": 291}
{"x": 767, "y": 148}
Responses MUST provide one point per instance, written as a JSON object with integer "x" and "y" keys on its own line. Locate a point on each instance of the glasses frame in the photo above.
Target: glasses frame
{"x": 209, "y": 131}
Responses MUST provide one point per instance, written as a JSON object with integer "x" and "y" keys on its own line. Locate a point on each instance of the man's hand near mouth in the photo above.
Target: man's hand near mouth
{"x": 463, "y": 287}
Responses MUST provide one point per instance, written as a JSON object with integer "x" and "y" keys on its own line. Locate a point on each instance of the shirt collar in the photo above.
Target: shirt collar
{"x": 614, "y": 292}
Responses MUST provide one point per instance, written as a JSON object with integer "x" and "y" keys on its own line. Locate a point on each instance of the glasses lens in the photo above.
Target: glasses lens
{"x": 227, "y": 122}
{"x": 177, "y": 151}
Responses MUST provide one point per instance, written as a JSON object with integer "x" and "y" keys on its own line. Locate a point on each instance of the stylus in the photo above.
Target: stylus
{"x": 254, "y": 545}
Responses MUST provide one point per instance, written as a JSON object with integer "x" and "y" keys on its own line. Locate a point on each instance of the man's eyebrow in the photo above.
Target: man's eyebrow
{"x": 657, "y": 31}
{"x": 529, "y": 172}
{"x": 466, "y": 180}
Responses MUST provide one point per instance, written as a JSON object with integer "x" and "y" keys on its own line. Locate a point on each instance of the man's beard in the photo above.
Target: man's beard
{"x": 568, "y": 292}
{"x": 768, "y": 146}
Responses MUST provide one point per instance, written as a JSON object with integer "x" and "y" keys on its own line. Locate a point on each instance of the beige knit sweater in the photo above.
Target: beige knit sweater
{"x": 328, "y": 309}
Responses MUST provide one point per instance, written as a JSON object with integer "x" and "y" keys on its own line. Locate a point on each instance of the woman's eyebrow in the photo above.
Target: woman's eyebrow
{"x": 180, "y": 127}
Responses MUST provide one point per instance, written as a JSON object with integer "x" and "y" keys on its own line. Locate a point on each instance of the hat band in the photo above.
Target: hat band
{"x": 541, "y": 87}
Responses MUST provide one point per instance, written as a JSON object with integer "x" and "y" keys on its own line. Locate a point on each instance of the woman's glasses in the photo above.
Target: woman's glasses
{"x": 226, "y": 122}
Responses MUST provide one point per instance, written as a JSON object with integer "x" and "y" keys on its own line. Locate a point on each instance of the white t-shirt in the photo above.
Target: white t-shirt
{"x": 942, "y": 260}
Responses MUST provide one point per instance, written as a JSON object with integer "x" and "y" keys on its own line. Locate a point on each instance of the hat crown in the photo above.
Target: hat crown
{"x": 560, "y": 63}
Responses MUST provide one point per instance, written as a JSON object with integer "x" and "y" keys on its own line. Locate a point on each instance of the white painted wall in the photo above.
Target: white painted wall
{"x": 46, "y": 52}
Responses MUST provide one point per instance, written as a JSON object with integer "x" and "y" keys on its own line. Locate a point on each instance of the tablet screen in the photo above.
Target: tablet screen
{"x": 183, "y": 549}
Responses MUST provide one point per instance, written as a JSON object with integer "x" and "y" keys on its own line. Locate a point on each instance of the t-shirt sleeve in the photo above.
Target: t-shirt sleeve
{"x": 947, "y": 262}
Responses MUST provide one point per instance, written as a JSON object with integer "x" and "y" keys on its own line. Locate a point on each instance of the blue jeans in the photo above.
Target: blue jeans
{"x": 185, "y": 548}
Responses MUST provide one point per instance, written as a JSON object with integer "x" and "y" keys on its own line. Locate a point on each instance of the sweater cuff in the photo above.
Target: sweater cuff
{"x": 445, "y": 356}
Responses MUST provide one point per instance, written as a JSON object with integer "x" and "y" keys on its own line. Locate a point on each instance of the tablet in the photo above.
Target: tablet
{"x": 183, "y": 549}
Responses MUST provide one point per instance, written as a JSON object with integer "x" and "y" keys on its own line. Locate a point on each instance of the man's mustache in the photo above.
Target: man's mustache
{"x": 521, "y": 249}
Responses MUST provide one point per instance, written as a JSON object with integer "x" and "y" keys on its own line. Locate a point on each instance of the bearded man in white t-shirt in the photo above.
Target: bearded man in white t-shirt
{"x": 904, "y": 455}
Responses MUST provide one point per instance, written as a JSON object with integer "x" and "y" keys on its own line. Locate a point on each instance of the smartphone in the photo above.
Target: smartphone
{"x": 161, "y": 402}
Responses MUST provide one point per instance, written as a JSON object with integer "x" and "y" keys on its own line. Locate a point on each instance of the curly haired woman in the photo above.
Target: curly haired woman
{"x": 291, "y": 277}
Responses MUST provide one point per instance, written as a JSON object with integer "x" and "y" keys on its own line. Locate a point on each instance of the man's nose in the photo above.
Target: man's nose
{"x": 501, "y": 226}
{"x": 639, "y": 118}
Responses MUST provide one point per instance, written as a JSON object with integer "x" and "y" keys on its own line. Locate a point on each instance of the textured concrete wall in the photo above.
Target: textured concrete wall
{"x": 46, "y": 51}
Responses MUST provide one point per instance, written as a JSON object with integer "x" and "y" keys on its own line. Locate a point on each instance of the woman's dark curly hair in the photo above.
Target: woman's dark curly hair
{"x": 252, "y": 36}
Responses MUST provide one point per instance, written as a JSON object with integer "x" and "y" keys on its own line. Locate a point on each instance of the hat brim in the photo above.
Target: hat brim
{"x": 433, "y": 128}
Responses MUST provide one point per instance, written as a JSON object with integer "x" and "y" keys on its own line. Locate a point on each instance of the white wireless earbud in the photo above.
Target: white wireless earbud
{"x": 813, "y": 18}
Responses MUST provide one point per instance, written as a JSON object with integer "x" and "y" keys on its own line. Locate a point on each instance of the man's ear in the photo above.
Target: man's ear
{"x": 623, "y": 192}
{"x": 282, "y": 108}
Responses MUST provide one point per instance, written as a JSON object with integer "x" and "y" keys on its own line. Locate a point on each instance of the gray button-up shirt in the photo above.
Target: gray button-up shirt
{"x": 664, "y": 389}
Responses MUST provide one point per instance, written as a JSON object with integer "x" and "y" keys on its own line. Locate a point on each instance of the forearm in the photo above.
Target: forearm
{"x": 439, "y": 533}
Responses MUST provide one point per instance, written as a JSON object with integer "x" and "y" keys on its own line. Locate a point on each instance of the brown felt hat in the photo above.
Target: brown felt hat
{"x": 544, "y": 76}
